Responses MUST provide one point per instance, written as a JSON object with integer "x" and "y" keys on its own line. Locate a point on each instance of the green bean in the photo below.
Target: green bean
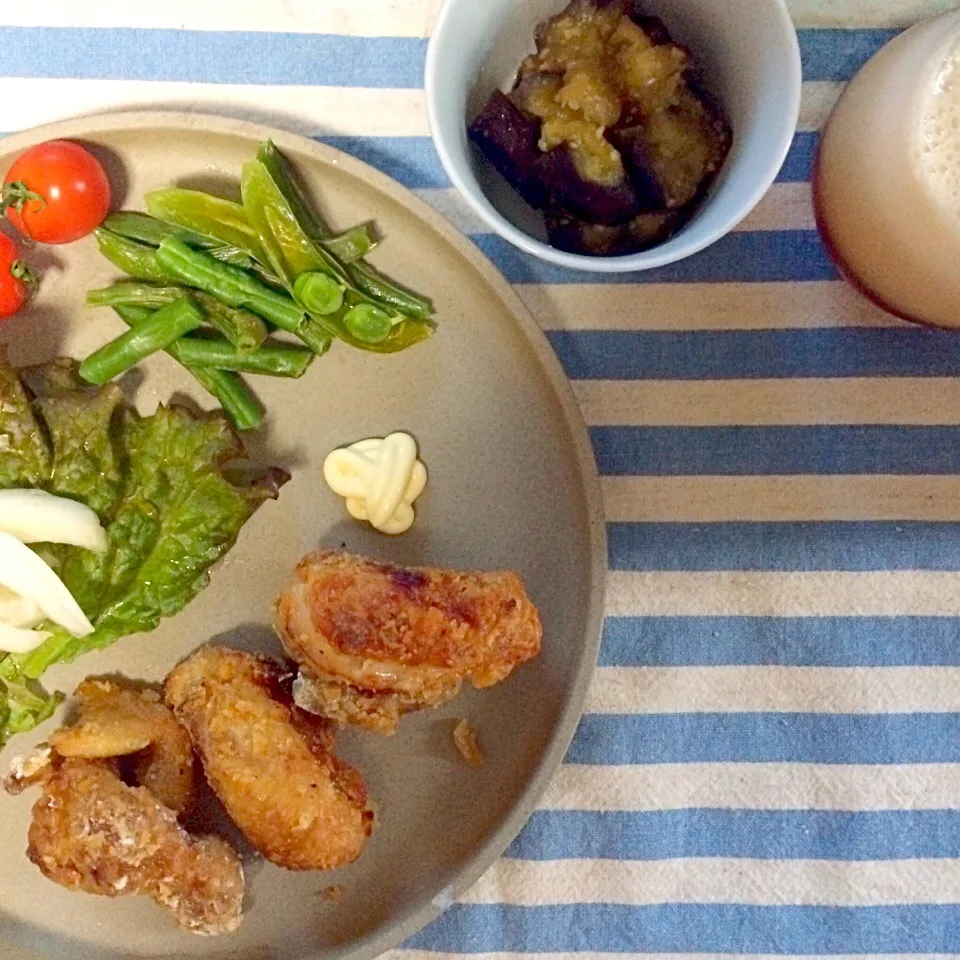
{"x": 368, "y": 323}
{"x": 319, "y": 293}
{"x": 136, "y": 293}
{"x": 315, "y": 336}
{"x": 146, "y": 229}
{"x": 240, "y": 406}
{"x": 374, "y": 284}
{"x": 353, "y": 244}
{"x": 272, "y": 360}
{"x": 229, "y": 285}
{"x": 140, "y": 261}
{"x": 165, "y": 327}
{"x": 228, "y": 389}
{"x": 243, "y": 329}
{"x": 136, "y": 259}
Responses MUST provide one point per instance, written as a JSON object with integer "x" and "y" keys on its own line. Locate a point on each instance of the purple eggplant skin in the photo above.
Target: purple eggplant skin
{"x": 652, "y": 194}
{"x": 673, "y": 158}
{"x": 593, "y": 202}
{"x": 509, "y": 139}
{"x": 652, "y": 26}
{"x": 566, "y": 232}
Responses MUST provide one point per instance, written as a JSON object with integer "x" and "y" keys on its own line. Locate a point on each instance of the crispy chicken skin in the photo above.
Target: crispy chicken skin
{"x": 113, "y": 783}
{"x": 117, "y": 720}
{"x": 375, "y": 641}
{"x": 270, "y": 763}
{"x": 92, "y": 832}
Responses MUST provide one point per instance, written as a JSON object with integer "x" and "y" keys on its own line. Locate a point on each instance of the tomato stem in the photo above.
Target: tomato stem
{"x": 23, "y": 273}
{"x": 17, "y": 194}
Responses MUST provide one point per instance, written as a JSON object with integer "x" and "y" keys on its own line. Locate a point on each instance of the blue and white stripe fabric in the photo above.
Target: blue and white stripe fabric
{"x": 770, "y": 760}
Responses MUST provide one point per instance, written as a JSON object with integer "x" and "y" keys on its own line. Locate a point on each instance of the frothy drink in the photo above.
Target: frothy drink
{"x": 887, "y": 185}
{"x": 937, "y": 150}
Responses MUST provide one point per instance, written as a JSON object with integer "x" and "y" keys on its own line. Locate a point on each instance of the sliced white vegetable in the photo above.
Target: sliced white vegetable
{"x": 17, "y": 611}
{"x": 23, "y": 572}
{"x": 35, "y": 516}
{"x": 20, "y": 640}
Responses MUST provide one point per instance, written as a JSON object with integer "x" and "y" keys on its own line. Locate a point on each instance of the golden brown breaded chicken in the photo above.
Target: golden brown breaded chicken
{"x": 270, "y": 763}
{"x": 92, "y": 832}
{"x": 118, "y": 720}
{"x": 375, "y": 640}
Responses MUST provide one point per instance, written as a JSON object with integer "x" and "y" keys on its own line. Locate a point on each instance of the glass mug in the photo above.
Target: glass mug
{"x": 887, "y": 178}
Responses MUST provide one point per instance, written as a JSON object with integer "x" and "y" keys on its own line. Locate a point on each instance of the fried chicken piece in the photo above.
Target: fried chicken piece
{"x": 30, "y": 770}
{"x": 375, "y": 641}
{"x": 92, "y": 832}
{"x": 270, "y": 763}
{"x": 117, "y": 720}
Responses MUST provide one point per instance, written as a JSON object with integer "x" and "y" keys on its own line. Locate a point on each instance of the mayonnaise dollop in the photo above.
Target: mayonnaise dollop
{"x": 380, "y": 479}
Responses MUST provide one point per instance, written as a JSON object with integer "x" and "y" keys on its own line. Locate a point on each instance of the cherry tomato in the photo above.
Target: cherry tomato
{"x": 56, "y": 192}
{"x": 15, "y": 278}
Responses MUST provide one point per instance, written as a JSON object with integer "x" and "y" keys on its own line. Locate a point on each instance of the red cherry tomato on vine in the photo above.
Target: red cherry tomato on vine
{"x": 15, "y": 278}
{"x": 56, "y": 192}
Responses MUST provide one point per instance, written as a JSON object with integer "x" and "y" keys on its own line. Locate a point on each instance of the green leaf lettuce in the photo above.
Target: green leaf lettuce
{"x": 159, "y": 487}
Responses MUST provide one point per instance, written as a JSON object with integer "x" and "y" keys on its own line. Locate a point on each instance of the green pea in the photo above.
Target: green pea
{"x": 368, "y": 323}
{"x": 319, "y": 293}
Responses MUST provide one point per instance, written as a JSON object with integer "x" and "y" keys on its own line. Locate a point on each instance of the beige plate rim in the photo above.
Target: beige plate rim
{"x": 475, "y": 865}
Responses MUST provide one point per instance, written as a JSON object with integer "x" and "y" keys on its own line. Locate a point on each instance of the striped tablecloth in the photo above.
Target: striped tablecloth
{"x": 770, "y": 760}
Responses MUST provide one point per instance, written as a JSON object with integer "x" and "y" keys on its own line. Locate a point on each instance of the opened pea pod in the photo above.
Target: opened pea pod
{"x": 321, "y": 283}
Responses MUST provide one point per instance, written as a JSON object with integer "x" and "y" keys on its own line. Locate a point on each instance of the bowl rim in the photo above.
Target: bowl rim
{"x": 657, "y": 256}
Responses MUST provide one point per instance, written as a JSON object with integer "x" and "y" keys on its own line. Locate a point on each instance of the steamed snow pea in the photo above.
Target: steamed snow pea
{"x": 319, "y": 293}
{"x": 365, "y": 277}
{"x": 224, "y": 223}
{"x": 292, "y": 253}
{"x": 149, "y": 230}
{"x": 222, "y": 220}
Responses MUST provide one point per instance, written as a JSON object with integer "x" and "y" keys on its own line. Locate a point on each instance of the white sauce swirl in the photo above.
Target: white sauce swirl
{"x": 380, "y": 479}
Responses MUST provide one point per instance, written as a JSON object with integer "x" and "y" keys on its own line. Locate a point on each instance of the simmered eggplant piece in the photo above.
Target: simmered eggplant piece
{"x": 601, "y": 203}
{"x": 672, "y": 156}
{"x": 646, "y": 230}
{"x": 509, "y": 139}
{"x": 653, "y": 26}
{"x": 575, "y": 109}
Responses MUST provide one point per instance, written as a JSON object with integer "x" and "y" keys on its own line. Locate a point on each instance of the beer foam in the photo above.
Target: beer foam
{"x": 938, "y": 151}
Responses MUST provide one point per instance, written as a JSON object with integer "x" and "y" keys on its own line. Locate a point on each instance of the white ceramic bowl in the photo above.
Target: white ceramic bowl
{"x": 746, "y": 51}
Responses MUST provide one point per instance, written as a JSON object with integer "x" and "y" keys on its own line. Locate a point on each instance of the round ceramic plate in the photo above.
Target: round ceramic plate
{"x": 512, "y": 485}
